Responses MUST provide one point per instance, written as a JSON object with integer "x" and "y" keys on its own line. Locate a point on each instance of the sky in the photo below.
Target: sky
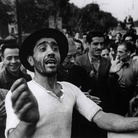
{"x": 118, "y": 8}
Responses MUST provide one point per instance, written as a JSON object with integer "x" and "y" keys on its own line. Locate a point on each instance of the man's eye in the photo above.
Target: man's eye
{"x": 16, "y": 57}
{"x": 55, "y": 49}
{"x": 9, "y": 58}
{"x": 42, "y": 49}
{"x": 102, "y": 43}
{"x": 95, "y": 44}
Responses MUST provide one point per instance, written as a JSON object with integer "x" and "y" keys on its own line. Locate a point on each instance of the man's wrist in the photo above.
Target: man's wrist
{"x": 23, "y": 130}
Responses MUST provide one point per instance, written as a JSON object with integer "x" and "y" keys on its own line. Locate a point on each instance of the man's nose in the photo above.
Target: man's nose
{"x": 50, "y": 52}
{"x": 100, "y": 46}
{"x": 106, "y": 56}
{"x": 13, "y": 60}
{"x": 49, "y": 49}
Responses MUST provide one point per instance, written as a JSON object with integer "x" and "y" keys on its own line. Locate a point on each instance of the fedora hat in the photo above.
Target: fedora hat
{"x": 29, "y": 43}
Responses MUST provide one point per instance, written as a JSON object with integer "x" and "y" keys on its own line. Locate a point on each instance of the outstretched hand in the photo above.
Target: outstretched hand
{"x": 115, "y": 65}
{"x": 24, "y": 103}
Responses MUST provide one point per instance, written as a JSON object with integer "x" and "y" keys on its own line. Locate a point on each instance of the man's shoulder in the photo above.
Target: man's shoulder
{"x": 82, "y": 60}
{"x": 67, "y": 84}
{"x": 2, "y": 75}
{"x": 83, "y": 56}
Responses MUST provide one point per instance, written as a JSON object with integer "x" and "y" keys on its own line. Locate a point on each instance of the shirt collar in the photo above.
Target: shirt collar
{"x": 93, "y": 59}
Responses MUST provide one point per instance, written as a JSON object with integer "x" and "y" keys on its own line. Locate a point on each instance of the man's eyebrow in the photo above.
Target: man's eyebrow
{"x": 43, "y": 42}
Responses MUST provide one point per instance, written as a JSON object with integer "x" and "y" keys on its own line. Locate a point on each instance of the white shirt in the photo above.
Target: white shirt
{"x": 55, "y": 113}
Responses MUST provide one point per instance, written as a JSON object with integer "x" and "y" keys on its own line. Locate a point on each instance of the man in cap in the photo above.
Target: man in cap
{"x": 43, "y": 107}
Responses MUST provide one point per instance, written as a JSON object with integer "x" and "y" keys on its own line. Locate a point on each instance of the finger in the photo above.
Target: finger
{"x": 117, "y": 58}
{"x": 2, "y": 103}
{"x": 95, "y": 97}
{"x": 89, "y": 91}
{"x": 18, "y": 91}
{"x": 97, "y": 101}
{"x": 86, "y": 93}
{"x": 3, "y": 112}
{"x": 20, "y": 102}
{"x": 24, "y": 110}
{"x": 17, "y": 83}
{"x": 2, "y": 107}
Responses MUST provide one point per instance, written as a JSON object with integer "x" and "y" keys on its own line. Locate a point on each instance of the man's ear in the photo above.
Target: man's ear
{"x": 30, "y": 60}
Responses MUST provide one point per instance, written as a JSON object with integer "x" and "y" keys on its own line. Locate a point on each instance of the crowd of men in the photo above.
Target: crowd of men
{"x": 87, "y": 74}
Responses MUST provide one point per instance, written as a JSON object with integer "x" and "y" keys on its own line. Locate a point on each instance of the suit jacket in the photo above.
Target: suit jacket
{"x": 82, "y": 128}
{"x": 98, "y": 85}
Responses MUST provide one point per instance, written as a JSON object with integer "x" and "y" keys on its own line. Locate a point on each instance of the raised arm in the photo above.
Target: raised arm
{"x": 115, "y": 123}
{"x": 26, "y": 108}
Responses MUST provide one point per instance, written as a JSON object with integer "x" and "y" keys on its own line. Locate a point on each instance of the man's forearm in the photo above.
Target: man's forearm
{"x": 115, "y": 123}
{"x": 23, "y": 130}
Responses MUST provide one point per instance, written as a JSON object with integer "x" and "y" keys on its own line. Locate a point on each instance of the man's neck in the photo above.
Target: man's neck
{"x": 49, "y": 83}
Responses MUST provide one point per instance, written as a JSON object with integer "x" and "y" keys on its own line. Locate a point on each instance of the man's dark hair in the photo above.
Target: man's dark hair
{"x": 129, "y": 34}
{"x": 129, "y": 46}
{"x": 10, "y": 45}
{"x": 92, "y": 34}
{"x": 79, "y": 41}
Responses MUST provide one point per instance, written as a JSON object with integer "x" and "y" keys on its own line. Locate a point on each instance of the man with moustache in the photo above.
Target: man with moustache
{"x": 93, "y": 77}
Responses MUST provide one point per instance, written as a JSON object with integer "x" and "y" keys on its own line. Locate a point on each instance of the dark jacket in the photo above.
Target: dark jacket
{"x": 7, "y": 79}
{"x": 81, "y": 127}
{"x": 98, "y": 85}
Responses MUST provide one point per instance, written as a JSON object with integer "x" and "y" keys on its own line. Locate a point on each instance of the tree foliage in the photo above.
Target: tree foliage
{"x": 94, "y": 18}
{"x": 34, "y": 15}
{"x": 5, "y": 11}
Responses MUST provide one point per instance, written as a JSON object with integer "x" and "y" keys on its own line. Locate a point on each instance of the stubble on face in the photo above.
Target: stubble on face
{"x": 42, "y": 69}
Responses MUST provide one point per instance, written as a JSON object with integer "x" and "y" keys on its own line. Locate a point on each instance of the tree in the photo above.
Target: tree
{"x": 34, "y": 15}
{"x": 5, "y": 10}
{"x": 94, "y": 18}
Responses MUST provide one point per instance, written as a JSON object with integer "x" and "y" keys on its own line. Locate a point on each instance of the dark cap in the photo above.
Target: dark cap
{"x": 29, "y": 43}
